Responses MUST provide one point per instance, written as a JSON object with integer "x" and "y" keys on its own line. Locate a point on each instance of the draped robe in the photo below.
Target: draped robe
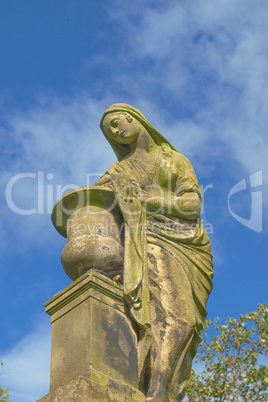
{"x": 167, "y": 275}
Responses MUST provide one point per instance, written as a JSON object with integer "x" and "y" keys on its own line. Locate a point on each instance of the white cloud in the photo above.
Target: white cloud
{"x": 27, "y": 365}
{"x": 60, "y": 139}
{"x": 61, "y": 136}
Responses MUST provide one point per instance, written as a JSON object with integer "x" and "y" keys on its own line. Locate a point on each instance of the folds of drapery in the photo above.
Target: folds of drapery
{"x": 135, "y": 273}
{"x": 189, "y": 247}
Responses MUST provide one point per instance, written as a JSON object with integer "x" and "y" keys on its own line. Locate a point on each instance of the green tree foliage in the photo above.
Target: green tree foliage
{"x": 3, "y": 391}
{"x": 4, "y": 395}
{"x": 234, "y": 361}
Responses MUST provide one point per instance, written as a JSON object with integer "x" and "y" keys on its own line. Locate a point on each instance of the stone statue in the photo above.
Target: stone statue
{"x": 140, "y": 225}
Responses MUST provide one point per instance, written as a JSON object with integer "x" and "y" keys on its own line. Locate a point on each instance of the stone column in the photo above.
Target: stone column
{"x": 94, "y": 348}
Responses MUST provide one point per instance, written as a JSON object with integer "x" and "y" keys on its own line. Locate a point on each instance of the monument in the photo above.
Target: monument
{"x": 128, "y": 327}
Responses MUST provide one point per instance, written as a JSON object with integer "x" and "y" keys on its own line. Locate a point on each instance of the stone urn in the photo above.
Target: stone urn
{"x": 92, "y": 222}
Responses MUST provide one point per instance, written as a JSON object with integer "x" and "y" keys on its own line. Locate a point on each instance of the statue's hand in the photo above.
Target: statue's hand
{"x": 166, "y": 202}
{"x": 121, "y": 184}
{"x": 125, "y": 187}
{"x": 126, "y": 192}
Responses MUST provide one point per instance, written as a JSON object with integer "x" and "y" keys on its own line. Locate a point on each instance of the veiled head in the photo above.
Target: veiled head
{"x": 121, "y": 127}
{"x": 137, "y": 124}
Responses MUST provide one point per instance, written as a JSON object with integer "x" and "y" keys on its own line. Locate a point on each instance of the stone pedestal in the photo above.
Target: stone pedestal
{"x": 94, "y": 348}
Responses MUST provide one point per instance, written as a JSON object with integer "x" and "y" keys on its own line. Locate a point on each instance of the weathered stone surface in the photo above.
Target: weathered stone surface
{"x": 94, "y": 242}
{"x": 162, "y": 256}
{"x": 94, "y": 347}
{"x": 87, "y": 390}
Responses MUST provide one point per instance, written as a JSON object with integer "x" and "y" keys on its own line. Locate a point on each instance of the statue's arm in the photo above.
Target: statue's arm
{"x": 181, "y": 196}
{"x": 186, "y": 206}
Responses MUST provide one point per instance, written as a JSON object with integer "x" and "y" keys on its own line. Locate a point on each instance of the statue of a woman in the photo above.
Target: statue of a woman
{"x": 167, "y": 261}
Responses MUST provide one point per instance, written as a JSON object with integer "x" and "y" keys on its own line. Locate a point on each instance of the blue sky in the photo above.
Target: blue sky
{"x": 197, "y": 70}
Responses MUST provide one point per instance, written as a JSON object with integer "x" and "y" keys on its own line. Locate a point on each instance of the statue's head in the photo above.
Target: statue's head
{"x": 121, "y": 124}
{"x": 122, "y": 128}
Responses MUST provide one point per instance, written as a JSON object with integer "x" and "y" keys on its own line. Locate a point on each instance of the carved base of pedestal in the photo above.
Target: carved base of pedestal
{"x": 94, "y": 347}
{"x": 95, "y": 389}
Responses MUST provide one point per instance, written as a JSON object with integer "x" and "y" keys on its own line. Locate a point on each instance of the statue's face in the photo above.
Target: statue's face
{"x": 121, "y": 128}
